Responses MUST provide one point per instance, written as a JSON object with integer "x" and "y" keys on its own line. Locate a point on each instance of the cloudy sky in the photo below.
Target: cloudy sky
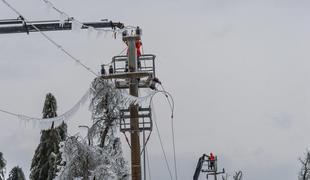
{"x": 238, "y": 71}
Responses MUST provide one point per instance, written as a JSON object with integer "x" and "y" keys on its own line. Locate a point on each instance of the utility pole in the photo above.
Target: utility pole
{"x": 134, "y": 116}
{"x": 130, "y": 73}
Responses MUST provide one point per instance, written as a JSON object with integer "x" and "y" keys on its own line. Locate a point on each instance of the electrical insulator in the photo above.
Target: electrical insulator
{"x": 102, "y": 70}
{"x": 111, "y": 71}
{"x": 138, "y": 31}
{"x": 125, "y": 33}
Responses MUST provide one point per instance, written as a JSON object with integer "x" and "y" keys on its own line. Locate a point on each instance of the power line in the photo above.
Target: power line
{"x": 148, "y": 163}
{"x": 162, "y": 147}
{"x": 63, "y": 117}
{"x": 50, "y": 39}
{"x": 171, "y": 104}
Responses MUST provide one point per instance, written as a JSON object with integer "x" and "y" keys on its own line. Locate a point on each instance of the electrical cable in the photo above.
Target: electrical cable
{"x": 9, "y": 113}
{"x": 50, "y": 39}
{"x": 148, "y": 163}
{"x": 162, "y": 147}
{"x": 58, "y": 119}
{"x": 172, "y": 131}
{"x": 171, "y": 104}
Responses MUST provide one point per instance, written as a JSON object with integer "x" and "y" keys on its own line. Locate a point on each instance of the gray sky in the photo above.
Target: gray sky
{"x": 238, "y": 71}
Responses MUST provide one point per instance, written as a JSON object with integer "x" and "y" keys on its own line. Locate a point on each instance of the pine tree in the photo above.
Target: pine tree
{"x": 16, "y": 174}
{"x": 47, "y": 156}
{"x": 2, "y": 166}
{"x": 50, "y": 106}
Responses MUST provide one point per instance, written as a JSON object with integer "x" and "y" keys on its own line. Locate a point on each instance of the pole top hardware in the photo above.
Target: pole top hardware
{"x": 133, "y": 36}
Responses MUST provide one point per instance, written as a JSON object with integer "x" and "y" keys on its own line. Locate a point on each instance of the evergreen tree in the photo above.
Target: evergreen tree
{"x": 47, "y": 156}
{"x": 16, "y": 174}
{"x": 50, "y": 106}
{"x": 2, "y": 166}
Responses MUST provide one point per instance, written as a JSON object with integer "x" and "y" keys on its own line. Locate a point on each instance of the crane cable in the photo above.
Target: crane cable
{"x": 50, "y": 39}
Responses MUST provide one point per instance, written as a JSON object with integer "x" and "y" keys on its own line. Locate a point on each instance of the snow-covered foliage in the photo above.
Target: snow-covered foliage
{"x": 102, "y": 158}
{"x": 47, "y": 156}
{"x": 238, "y": 175}
{"x": 92, "y": 162}
{"x": 50, "y": 106}
{"x": 16, "y": 174}
{"x": 2, "y": 166}
{"x": 105, "y": 106}
{"x": 304, "y": 173}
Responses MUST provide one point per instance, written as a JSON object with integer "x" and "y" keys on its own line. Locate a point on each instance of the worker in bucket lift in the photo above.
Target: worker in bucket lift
{"x": 211, "y": 161}
{"x": 138, "y": 45}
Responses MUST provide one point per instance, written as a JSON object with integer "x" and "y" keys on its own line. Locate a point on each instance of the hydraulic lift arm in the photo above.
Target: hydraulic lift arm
{"x": 20, "y": 26}
{"x": 199, "y": 167}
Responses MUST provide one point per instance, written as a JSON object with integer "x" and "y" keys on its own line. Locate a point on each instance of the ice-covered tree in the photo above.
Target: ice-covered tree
{"x": 92, "y": 162}
{"x": 105, "y": 106}
{"x": 238, "y": 175}
{"x": 103, "y": 158}
{"x": 2, "y": 166}
{"x": 47, "y": 157}
{"x": 50, "y": 106}
{"x": 16, "y": 174}
{"x": 304, "y": 173}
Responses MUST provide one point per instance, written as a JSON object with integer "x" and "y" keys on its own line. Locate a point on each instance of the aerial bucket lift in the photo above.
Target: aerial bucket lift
{"x": 207, "y": 164}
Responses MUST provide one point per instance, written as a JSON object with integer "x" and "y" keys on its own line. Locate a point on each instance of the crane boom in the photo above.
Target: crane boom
{"x": 19, "y": 26}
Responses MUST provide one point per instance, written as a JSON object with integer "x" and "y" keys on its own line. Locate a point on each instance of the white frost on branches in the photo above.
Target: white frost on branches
{"x": 92, "y": 162}
{"x": 104, "y": 158}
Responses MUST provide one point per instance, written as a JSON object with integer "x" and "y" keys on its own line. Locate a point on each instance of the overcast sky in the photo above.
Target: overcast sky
{"x": 238, "y": 71}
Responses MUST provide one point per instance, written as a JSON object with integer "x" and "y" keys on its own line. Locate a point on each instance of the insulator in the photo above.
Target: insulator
{"x": 153, "y": 85}
{"x": 111, "y": 71}
{"x": 138, "y": 31}
{"x": 125, "y": 33}
{"x": 155, "y": 79}
{"x": 102, "y": 70}
{"x": 126, "y": 66}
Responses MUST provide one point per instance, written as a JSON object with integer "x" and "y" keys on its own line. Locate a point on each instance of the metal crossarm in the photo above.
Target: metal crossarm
{"x": 145, "y": 120}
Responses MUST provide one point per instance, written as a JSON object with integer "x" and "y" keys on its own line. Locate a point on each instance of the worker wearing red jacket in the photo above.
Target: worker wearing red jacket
{"x": 212, "y": 161}
{"x": 138, "y": 47}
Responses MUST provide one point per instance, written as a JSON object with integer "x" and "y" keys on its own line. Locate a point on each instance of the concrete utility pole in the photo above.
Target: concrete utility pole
{"x": 134, "y": 111}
